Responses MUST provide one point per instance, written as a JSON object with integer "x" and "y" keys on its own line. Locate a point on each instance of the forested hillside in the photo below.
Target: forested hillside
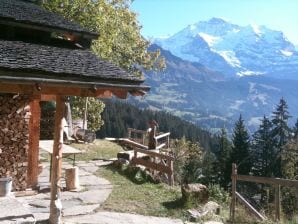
{"x": 118, "y": 116}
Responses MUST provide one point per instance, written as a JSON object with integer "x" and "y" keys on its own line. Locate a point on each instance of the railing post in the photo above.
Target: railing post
{"x": 171, "y": 176}
{"x": 277, "y": 203}
{"x": 129, "y": 133}
{"x": 144, "y": 137}
{"x": 233, "y": 202}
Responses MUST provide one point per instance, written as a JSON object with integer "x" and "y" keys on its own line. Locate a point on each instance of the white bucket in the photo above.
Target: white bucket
{"x": 5, "y": 186}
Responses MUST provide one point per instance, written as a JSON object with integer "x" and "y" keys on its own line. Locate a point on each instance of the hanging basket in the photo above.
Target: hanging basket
{"x": 5, "y": 186}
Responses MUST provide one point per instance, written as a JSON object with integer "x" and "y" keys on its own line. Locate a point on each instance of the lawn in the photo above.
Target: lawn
{"x": 99, "y": 149}
{"x": 146, "y": 199}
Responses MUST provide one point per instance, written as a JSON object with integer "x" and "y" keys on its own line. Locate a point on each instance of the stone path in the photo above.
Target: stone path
{"x": 120, "y": 218}
{"x": 94, "y": 191}
{"x": 81, "y": 206}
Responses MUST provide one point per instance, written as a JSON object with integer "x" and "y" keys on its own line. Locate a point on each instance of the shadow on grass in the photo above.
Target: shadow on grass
{"x": 133, "y": 174}
{"x": 176, "y": 204}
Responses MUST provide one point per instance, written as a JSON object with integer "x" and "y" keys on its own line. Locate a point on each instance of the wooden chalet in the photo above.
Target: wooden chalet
{"x": 44, "y": 57}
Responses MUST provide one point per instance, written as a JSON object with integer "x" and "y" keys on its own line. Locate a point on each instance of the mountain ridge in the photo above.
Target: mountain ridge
{"x": 231, "y": 49}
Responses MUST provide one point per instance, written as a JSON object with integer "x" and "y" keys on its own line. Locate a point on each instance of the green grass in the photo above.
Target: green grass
{"x": 145, "y": 199}
{"x": 99, "y": 149}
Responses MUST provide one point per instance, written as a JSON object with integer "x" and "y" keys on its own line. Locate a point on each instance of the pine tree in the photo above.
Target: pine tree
{"x": 263, "y": 146}
{"x": 224, "y": 158}
{"x": 295, "y": 130}
{"x": 240, "y": 148}
{"x": 290, "y": 171}
{"x": 281, "y": 132}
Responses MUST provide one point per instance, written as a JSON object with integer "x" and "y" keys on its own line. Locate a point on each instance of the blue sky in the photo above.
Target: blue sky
{"x": 166, "y": 17}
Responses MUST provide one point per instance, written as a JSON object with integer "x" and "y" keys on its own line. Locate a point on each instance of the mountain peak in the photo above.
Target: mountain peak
{"x": 217, "y": 20}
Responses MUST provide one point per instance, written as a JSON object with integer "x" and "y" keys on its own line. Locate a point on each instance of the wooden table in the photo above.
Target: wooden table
{"x": 47, "y": 145}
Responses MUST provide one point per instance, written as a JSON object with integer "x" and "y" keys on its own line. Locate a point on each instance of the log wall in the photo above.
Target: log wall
{"x": 14, "y": 138}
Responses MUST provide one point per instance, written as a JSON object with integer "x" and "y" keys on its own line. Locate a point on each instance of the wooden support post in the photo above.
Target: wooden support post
{"x": 171, "y": 176}
{"x": 129, "y": 133}
{"x": 233, "y": 200}
{"x": 56, "y": 206}
{"x": 277, "y": 203}
{"x": 33, "y": 152}
{"x": 143, "y": 138}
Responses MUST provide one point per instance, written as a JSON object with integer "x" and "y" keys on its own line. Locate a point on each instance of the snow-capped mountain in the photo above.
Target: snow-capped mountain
{"x": 235, "y": 50}
{"x": 211, "y": 100}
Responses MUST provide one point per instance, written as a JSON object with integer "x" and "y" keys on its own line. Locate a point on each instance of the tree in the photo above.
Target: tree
{"x": 289, "y": 164}
{"x": 120, "y": 40}
{"x": 295, "y": 130}
{"x": 281, "y": 132}
{"x": 95, "y": 108}
{"x": 263, "y": 147}
{"x": 224, "y": 158}
{"x": 240, "y": 148}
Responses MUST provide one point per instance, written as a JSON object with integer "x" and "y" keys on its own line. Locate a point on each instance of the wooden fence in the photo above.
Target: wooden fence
{"x": 162, "y": 140}
{"x": 277, "y": 182}
{"x": 157, "y": 162}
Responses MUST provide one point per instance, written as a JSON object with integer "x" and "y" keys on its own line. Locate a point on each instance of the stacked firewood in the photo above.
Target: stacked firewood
{"x": 47, "y": 121}
{"x": 14, "y": 138}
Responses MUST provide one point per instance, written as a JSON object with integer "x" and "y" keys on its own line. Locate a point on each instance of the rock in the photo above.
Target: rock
{"x": 211, "y": 208}
{"x": 213, "y": 222}
{"x": 194, "y": 194}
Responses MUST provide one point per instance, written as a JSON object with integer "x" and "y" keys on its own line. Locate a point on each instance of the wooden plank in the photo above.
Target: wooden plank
{"x": 152, "y": 165}
{"x": 33, "y": 152}
{"x": 48, "y": 97}
{"x": 162, "y": 135}
{"x": 152, "y": 153}
{"x": 249, "y": 207}
{"x": 233, "y": 200}
{"x": 55, "y": 205}
{"x": 135, "y": 144}
{"x": 267, "y": 180}
{"x": 50, "y": 90}
{"x": 161, "y": 146}
{"x": 277, "y": 203}
{"x": 137, "y": 131}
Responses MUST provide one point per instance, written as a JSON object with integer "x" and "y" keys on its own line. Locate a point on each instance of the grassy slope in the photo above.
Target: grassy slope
{"x": 145, "y": 199}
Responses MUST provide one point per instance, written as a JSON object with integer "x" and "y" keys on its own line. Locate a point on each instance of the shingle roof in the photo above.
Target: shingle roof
{"x": 29, "y": 13}
{"x": 59, "y": 63}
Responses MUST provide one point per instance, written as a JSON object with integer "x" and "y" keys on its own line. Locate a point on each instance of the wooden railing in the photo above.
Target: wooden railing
{"x": 137, "y": 135}
{"x": 158, "y": 162}
{"x": 162, "y": 139}
{"x": 277, "y": 182}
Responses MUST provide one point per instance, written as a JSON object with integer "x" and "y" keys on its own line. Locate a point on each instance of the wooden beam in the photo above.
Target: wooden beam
{"x": 233, "y": 199}
{"x": 277, "y": 203}
{"x": 152, "y": 165}
{"x": 48, "y": 97}
{"x": 56, "y": 206}
{"x": 249, "y": 207}
{"x": 48, "y": 92}
{"x": 33, "y": 152}
{"x": 267, "y": 180}
{"x": 151, "y": 153}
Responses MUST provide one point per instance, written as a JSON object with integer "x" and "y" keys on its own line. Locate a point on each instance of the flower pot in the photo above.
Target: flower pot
{"x": 5, "y": 186}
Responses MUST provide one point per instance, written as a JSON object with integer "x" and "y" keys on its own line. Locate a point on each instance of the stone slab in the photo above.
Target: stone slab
{"x": 120, "y": 218}
{"x": 13, "y": 211}
{"x": 79, "y": 210}
{"x": 95, "y": 196}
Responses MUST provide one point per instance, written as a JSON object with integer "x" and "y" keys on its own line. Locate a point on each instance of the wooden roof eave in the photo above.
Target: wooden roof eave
{"x": 103, "y": 89}
{"x": 47, "y": 28}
